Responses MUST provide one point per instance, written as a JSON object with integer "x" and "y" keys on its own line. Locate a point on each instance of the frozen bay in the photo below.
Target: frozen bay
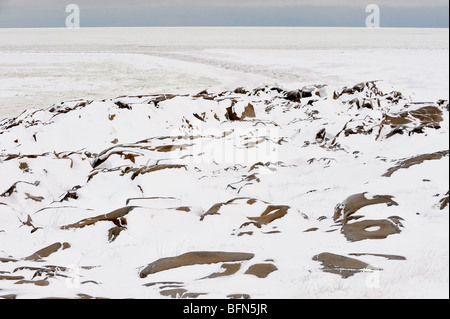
{"x": 41, "y": 67}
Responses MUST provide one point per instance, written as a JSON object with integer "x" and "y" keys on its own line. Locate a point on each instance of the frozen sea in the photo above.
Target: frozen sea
{"x": 41, "y": 67}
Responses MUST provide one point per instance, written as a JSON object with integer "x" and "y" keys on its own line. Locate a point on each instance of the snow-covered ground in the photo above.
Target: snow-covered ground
{"x": 314, "y": 164}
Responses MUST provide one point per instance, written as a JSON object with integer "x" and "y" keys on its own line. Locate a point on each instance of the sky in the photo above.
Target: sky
{"x": 306, "y": 13}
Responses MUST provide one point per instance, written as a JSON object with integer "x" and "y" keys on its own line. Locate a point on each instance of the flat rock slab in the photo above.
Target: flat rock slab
{"x": 358, "y": 230}
{"x": 261, "y": 270}
{"x": 355, "y": 202}
{"x": 114, "y": 216}
{"x": 341, "y": 265}
{"x": 181, "y": 293}
{"x": 40, "y": 283}
{"x": 230, "y": 269}
{"x": 416, "y": 160}
{"x": 47, "y": 251}
{"x": 193, "y": 258}
{"x": 388, "y": 257}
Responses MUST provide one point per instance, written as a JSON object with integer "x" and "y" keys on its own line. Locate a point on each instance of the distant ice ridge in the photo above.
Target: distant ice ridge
{"x": 315, "y": 192}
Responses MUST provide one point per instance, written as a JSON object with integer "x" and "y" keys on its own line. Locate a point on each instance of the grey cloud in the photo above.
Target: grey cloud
{"x": 224, "y": 3}
{"x": 395, "y": 13}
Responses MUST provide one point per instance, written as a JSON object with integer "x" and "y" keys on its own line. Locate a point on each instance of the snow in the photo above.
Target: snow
{"x": 98, "y": 134}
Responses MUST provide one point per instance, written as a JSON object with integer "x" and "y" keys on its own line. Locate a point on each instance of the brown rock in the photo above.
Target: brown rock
{"x": 270, "y": 214}
{"x": 416, "y": 160}
{"x": 444, "y": 202}
{"x": 240, "y": 90}
{"x": 249, "y": 112}
{"x": 230, "y": 269}
{"x": 47, "y": 251}
{"x": 231, "y": 115}
{"x": 114, "y": 232}
{"x": 214, "y": 210}
{"x": 193, "y": 258}
{"x": 261, "y": 270}
{"x": 358, "y": 230}
{"x": 35, "y": 198}
{"x": 413, "y": 121}
{"x": 341, "y": 265}
{"x": 174, "y": 293}
{"x": 355, "y": 202}
{"x": 293, "y": 96}
{"x": 150, "y": 169}
{"x": 113, "y": 216}
{"x": 7, "y": 260}
{"x": 238, "y": 296}
{"x": 7, "y": 277}
{"x": 311, "y": 229}
{"x": 181, "y": 293}
{"x": 41, "y": 283}
{"x": 389, "y": 257}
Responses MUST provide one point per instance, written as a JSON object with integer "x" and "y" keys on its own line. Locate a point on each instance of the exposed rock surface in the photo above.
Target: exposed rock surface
{"x": 193, "y": 258}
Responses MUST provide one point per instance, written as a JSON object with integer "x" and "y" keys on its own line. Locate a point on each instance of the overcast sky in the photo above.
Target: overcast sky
{"x": 107, "y": 13}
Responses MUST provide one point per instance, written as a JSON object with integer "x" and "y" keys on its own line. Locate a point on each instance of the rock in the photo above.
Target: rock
{"x": 181, "y": 293}
{"x": 133, "y": 157}
{"x": 165, "y": 284}
{"x": 114, "y": 232}
{"x": 230, "y": 269}
{"x": 388, "y": 257}
{"x": 355, "y": 202}
{"x": 114, "y": 216}
{"x": 123, "y": 105}
{"x": 320, "y": 136}
{"x": 193, "y": 258}
{"x": 7, "y": 277}
{"x": 249, "y": 112}
{"x": 416, "y": 160}
{"x": 240, "y": 90}
{"x": 444, "y": 202}
{"x": 204, "y": 92}
{"x": 47, "y": 251}
{"x": 214, "y": 210}
{"x": 341, "y": 265}
{"x": 34, "y": 198}
{"x": 359, "y": 88}
{"x": 41, "y": 283}
{"x": 261, "y": 270}
{"x": 71, "y": 194}
{"x": 311, "y": 230}
{"x": 238, "y": 296}
{"x": 358, "y": 230}
{"x": 293, "y": 96}
{"x": 7, "y": 260}
{"x": 271, "y": 213}
{"x": 150, "y": 169}
{"x": 304, "y": 93}
{"x": 413, "y": 121}
{"x": 173, "y": 293}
